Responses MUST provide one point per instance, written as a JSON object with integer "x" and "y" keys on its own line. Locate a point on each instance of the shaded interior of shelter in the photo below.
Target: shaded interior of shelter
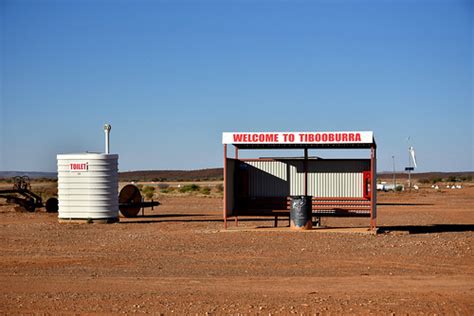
{"x": 259, "y": 187}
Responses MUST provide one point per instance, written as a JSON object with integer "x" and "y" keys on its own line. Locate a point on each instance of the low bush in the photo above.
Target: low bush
{"x": 148, "y": 191}
{"x": 206, "y": 190}
{"x": 158, "y": 179}
{"x": 163, "y": 186}
{"x": 453, "y": 179}
{"x": 168, "y": 190}
{"x": 189, "y": 188}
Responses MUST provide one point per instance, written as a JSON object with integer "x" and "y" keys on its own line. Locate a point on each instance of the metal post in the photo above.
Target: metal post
{"x": 409, "y": 180}
{"x": 306, "y": 171}
{"x": 394, "y": 179}
{"x": 225, "y": 187}
{"x": 373, "y": 186}
{"x": 235, "y": 213}
{"x": 409, "y": 170}
{"x": 107, "y": 128}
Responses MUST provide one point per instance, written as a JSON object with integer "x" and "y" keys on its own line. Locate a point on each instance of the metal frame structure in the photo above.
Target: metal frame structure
{"x": 21, "y": 194}
{"x": 366, "y": 144}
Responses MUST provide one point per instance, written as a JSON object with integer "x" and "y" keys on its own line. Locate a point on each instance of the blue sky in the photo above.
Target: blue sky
{"x": 171, "y": 76}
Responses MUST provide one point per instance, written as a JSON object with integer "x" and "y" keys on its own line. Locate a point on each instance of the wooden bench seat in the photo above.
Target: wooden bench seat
{"x": 321, "y": 207}
{"x": 339, "y": 207}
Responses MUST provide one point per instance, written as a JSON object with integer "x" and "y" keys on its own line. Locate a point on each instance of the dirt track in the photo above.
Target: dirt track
{"x": 176, "y": 260}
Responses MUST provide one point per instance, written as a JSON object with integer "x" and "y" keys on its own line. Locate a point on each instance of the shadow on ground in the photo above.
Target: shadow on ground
{"x": 404, "y": 204}
{"x": 176, "y": 218}
{"x": 428, "y": 229}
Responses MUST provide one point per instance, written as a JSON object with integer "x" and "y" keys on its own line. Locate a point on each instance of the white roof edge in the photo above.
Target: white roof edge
{"x": 299, "y": 138}
{"x": 87, "y": 156}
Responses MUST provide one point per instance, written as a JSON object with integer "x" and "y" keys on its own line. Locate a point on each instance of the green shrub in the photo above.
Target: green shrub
{"x": 399, "y": 188}
{"x": 149, "y": 191}
{"x": 189, "y": 188}
{"x": 163, "y": 186}
{"x": 220, "y": 187}
{"x": 436, "y": 180}
{"x": 206, "y": 191}
{"x": 424, "y": 181}
{"x": 168, "y": 190}
{"x": 452, "y": 179}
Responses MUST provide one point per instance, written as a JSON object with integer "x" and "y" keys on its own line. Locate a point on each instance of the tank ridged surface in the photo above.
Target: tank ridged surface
{"x": 88, "y": 186}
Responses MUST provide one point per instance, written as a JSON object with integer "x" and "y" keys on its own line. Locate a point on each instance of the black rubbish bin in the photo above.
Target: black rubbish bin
{"x": 300, "y": 212}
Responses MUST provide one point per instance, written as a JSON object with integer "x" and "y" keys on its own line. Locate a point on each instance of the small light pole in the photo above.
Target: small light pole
{"x": 409, "y": 170}
{"x": 394, "y": 179}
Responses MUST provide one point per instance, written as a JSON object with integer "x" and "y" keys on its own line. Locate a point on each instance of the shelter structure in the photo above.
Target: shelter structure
{"x": 263, "y": 186}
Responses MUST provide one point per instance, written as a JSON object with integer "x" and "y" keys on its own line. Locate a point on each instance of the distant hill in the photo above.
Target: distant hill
{"x": 215, "y": 174}
{"x": 31, "y": 174}
{"x": 426, "y": 175}
{"x": 172, "y": 175}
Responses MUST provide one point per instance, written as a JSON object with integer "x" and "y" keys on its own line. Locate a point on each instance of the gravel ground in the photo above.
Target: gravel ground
{"x": 177, "y": 260}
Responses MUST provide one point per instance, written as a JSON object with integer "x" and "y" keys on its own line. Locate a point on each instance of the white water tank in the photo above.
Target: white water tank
{"x": 88, "y": 187}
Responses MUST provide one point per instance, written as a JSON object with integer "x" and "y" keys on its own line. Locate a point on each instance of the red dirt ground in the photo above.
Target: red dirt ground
{"x": 176, "y": 260}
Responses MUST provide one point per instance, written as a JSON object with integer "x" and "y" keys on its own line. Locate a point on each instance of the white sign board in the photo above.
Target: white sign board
{"x": 298, "y": 138}
{"x": 78, "y": 166}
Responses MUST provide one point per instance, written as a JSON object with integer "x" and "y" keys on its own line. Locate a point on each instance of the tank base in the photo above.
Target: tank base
{"x": 88, "y": 220}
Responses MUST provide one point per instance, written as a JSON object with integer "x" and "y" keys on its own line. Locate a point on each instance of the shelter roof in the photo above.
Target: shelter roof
{"x": 299, "y": 140}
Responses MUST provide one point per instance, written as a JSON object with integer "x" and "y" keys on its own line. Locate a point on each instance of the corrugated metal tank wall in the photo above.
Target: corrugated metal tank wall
{"x": 88, "y": 186}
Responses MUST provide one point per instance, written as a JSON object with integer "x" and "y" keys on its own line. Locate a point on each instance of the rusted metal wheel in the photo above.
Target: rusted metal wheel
{"x": 30, "y": 205}
{"x": 129, "y": 199}
{"x": 52, "y": 205}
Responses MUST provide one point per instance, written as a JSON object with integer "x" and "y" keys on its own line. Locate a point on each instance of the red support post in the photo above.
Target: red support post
{"x": 306, "y": 171}
{"x": 225, "y": 187}
{"x": 236, "y": 215}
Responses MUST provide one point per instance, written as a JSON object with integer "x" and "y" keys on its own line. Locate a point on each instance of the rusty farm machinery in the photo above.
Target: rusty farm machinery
{"x": 22, "y": 195}
{"x": 130, "y": 198}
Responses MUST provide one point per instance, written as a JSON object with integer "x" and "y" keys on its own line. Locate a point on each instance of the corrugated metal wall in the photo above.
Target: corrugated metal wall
{"x": 326, "y": 178}
{"x": 346, "y": 184}
{"x": 268, "y": 178}
{"x": 296, "y": 177}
